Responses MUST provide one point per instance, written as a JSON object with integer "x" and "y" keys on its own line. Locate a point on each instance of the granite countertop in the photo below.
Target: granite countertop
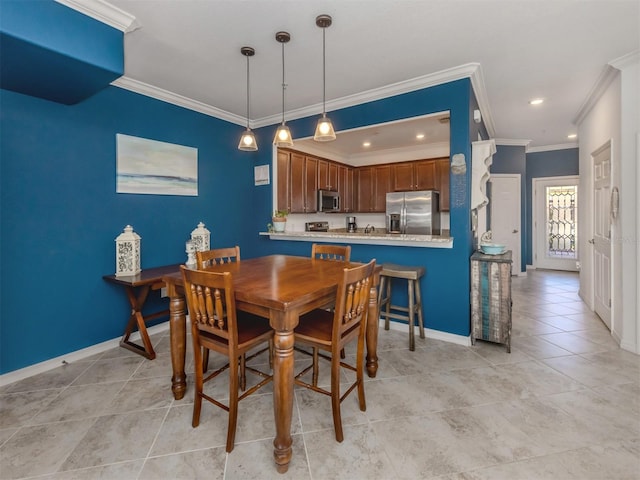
{"x": 376, "y": 237}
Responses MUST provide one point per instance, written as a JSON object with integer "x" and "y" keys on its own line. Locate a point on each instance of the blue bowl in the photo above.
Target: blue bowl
{"x": 493, "y": 248}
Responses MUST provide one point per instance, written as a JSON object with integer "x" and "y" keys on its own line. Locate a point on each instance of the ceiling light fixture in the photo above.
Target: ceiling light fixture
{"x": 366, "y": 144}
{"x": 324, "y": 129}
{"x": 248, "y": 139}
{"x": 420, "y": 136}
{"x": 283, "y": 134}
{"x": 536, "y": 101}
{"x": 572, "y": 135}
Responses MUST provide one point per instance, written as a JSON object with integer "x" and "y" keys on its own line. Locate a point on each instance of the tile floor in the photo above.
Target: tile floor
{"x": 565, "y": 404}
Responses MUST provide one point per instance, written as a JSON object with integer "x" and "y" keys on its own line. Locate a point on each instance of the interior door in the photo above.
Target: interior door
{"x": 504, "y": 207}
{"x": 601, "y": 240}
{"x": 555, "y": 223}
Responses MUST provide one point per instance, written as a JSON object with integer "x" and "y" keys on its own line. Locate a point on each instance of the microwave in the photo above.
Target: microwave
{"x": 328, "y": 201}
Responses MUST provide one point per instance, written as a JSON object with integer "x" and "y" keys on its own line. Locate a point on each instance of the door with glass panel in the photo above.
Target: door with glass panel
{"x": 555, "y": 217}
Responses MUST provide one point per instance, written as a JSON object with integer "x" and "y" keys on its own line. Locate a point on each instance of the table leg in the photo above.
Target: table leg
{"x": 138, "y": 320}
{"x": 178, "y": 335}
{"x": 283, "y": 397}
{"x": 372, "y": 332}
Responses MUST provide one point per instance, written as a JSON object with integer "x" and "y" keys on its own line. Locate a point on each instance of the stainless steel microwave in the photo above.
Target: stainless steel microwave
{"x": 328, "y": 201}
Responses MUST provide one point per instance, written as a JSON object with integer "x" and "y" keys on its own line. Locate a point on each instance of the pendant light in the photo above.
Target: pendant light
{"x": 283, "y": 135}
{"x": 248, "y": 139}
{"x": 324, "y": 129}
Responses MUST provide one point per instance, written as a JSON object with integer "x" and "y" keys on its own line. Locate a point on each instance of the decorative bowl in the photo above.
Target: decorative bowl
{"x": 493, "y": 248}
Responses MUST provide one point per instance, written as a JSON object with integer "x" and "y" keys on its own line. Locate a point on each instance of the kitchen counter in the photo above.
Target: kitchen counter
{"x": 377, "y": 237}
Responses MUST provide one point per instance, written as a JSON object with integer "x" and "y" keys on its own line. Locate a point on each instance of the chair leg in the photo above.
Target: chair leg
{"x": 243, "y": 373}
{"x": 233, "y": 404}
{"x": 412, "y": 345}
{"x": 335, "y": 397}
{"x": 315, "y": 373}
{"x": 360, "y": 375}
{"x": 419, "y": 307}
{"x": 205, "y": 360}
{"x": 197, "y": 400}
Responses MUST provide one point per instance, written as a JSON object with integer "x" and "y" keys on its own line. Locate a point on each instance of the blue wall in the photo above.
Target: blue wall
{"x": 553, "y": 163}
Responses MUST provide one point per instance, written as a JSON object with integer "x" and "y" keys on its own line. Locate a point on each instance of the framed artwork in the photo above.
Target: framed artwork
{"x": 155, "y": 168}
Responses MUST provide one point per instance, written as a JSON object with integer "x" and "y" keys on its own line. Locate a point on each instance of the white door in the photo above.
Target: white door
{"x": 555, "y": 223}
{"x": 504, "y": 206}
{"x": 601, "y": 240}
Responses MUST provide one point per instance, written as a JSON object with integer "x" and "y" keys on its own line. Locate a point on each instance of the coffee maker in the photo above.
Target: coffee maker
{"x": 351, "y": 224}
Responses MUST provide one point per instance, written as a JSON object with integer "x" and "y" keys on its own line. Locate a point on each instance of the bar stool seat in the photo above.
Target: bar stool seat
{"x": 412, "y": 275}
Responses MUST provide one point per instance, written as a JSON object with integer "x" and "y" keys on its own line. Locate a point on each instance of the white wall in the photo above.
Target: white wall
{"x": 613, "y": 116}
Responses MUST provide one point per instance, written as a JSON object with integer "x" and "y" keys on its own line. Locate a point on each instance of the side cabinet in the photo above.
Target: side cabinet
{"x": 491, "y": 298}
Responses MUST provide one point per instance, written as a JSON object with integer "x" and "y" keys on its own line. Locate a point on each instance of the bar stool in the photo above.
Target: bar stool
{"x": 412, "y": 275}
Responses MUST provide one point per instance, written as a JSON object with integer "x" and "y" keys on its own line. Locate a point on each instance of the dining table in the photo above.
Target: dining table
{"x": 278, "y": 288}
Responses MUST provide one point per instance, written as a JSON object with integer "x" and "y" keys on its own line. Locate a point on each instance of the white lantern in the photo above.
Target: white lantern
{"x": 127, "y": 253}
{"x": 201, "y": 237}
{"x": 190, "y": 249}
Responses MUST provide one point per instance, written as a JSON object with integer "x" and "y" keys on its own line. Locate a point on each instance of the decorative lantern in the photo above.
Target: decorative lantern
{"x": 127, "y": 253}
{"x": 190, "y": 249}
{"x": 201, "y": 238}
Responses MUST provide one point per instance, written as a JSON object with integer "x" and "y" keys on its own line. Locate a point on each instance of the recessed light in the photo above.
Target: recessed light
{"x": 536, "y": 101}
{"x": 366, "y": 144}
{"x": 420, "y": 136}
{"x": 572, "y": 135}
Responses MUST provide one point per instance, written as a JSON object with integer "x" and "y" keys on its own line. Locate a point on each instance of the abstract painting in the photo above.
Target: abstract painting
{"x": 155, "y": 168}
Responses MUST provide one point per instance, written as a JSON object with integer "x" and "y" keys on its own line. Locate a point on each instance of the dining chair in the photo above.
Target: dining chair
{"x": 331, "y": 252}
{"x": 217, "y": 325}
{"x": 332, "y": 331}
{"x": 217, "y": 256}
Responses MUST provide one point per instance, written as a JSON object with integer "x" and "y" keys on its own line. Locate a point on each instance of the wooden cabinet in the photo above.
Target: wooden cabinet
{"x": 327, "y": 175}
{"x": 491, "y": 298}
{"x": 304, "y": 183}
{"x": 373, "y": 185}
{"x": 419, "y": 175}
{"x": 346, "y": 188}
{"x": 284, "y": 181}
{"x": 442, "y": 182}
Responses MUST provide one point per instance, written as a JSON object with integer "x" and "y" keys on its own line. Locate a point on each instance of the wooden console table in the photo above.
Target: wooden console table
{"x": 137, "y": 288}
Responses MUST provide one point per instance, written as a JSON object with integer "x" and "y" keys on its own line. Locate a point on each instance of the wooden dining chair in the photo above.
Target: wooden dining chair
{"x": 217, "y": 256}
{"x": 217, "y": 325}
{"x": 332, "y": 331}
{"x": 331, "y": 252}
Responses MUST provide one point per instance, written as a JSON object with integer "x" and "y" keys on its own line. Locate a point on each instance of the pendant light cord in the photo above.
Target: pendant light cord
{"x": 324, "y": 76}
{"x": 247, "y": 92}
{"x": 283, "y": 84}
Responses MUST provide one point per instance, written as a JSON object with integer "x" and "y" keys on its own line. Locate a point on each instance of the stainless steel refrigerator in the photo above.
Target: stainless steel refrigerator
{"x": 413, "y": 213}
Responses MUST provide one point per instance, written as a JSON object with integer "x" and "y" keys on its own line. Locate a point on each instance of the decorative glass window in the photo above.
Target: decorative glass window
{"x": 562, "y": 221}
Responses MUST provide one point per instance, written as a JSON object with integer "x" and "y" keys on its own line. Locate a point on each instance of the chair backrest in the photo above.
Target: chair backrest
{"x": 340, "y": 253}
{"x": 211, "y": 302}
{"x": 217, "y": 256}
{"x": 352, "y": 300}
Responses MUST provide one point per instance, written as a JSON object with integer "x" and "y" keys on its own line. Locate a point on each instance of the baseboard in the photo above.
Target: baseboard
{"x": 430, "y": 333}
{"x": 70, "y": 357}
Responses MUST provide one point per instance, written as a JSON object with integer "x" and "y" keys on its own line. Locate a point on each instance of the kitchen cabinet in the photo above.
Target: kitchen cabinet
{"x": 373, "y": 185}
{"x": 304, "y": 183}
{"x": 491, "y": 298}
{"x": 327, "y": 175}
{"x": 284, "y": 180}
{"x": 346, "y": 188}
{"x": 442, "y": 182}
{"x": 418, "y": 175}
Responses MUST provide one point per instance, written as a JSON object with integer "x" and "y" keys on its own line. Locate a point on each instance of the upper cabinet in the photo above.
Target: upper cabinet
{"x": 418, "y": 175}
{"x": 361, "y": 189}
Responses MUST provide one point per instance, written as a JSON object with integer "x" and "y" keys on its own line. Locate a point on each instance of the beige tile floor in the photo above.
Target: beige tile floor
{"x": 565, "y": 404}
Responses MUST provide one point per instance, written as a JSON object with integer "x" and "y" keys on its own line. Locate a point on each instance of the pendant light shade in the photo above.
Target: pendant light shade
{"x": 283, "y": 134}
{"x": 248, "y": 139}
{"x": 324, "y": 128}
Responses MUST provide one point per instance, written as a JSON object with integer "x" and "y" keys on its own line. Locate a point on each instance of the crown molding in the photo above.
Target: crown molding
{"x": 445, "y": 76}
{"x": 513, "y": 142}
{"x": 105, "y": 13}
{"x": 626, "y": 60}
{"x": 548, "y": 148}
{"x": 479, "y": 88}
{"x": 169, "y": 97}
{"x": 603, "y": 81}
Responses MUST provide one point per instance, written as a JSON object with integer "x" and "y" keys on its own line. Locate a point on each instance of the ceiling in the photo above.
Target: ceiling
{"x": 188, "y": 51}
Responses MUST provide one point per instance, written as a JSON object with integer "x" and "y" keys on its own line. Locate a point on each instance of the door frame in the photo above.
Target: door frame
{"x": 537, "y": 209}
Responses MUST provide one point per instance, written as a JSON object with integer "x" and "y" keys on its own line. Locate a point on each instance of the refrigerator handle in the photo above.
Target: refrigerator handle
{"x": 403, "y": 219}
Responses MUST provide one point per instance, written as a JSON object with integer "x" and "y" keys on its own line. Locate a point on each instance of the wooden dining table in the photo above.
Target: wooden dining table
{"x": 279, "y": 288}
